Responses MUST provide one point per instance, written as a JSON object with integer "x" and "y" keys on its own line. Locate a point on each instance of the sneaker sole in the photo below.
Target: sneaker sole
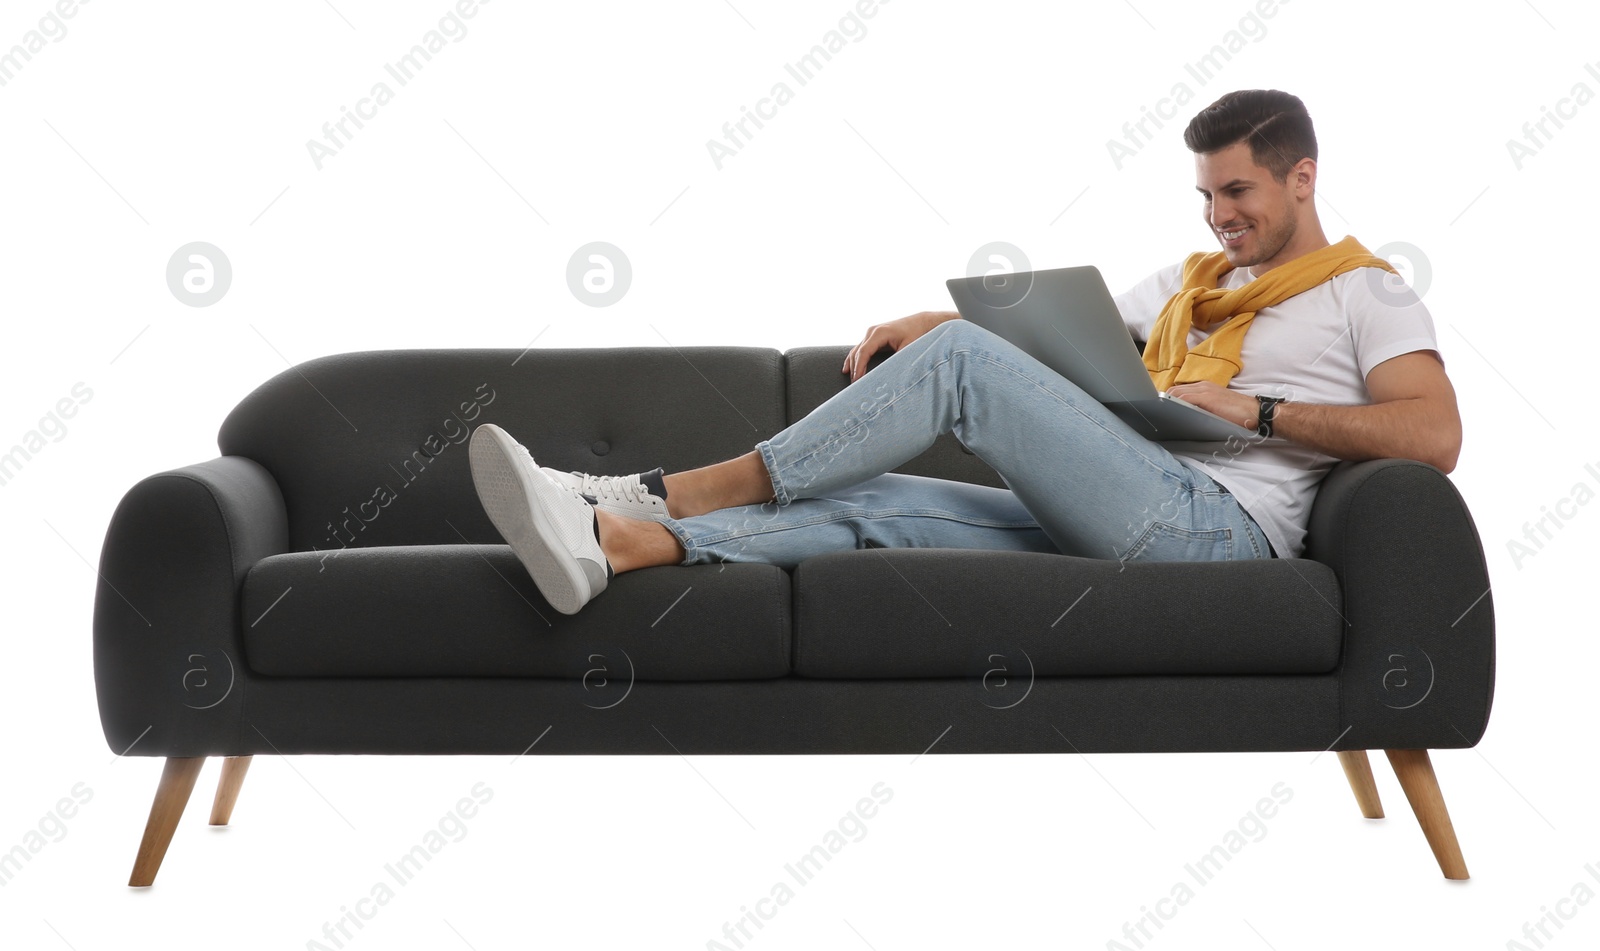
{"x": 526, "y": 527}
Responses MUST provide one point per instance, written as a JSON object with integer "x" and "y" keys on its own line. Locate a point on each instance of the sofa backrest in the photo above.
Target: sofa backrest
{"x": 369, "y": 448}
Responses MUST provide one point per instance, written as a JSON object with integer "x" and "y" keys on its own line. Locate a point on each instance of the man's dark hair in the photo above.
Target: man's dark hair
{"x": 1275, "y": 123}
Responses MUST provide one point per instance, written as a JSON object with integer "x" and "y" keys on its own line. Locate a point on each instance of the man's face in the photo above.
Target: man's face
{"x": 1252, "y": 214}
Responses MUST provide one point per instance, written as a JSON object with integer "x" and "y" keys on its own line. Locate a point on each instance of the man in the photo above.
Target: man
{"x": 1303, "y": 340}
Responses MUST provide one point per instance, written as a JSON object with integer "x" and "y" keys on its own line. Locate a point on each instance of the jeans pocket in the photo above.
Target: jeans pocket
{"x": 1163, "y": 541}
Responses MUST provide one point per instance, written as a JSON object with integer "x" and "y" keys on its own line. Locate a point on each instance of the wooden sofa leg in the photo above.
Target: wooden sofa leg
{"x": 1358, "y": 769}
{"x": 177, "y": 782}
{"x": 233, "y": 770}
{"x": 1421, "y": 786}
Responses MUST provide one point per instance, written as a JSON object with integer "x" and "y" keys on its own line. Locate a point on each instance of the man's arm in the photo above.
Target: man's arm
{"x": 1413, "y": 414}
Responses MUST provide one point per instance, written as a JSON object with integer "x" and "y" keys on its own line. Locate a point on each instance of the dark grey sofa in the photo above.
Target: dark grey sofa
{"x": 330, "y": 584}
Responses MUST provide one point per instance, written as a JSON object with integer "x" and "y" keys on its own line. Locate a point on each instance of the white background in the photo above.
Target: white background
{"x": 448, "y": 222}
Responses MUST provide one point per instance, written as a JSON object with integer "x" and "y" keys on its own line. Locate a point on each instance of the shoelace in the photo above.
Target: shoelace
{"x": 599, "y": 487}
{"x": 613, "y": 487}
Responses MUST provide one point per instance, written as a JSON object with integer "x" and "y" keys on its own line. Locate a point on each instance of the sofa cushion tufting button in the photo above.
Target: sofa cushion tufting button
{"x": 600, "y": 448}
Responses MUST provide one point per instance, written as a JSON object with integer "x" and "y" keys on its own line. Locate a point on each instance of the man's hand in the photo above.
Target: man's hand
{"x": 1232, "y": 406}
{"x": 895, "y": 334}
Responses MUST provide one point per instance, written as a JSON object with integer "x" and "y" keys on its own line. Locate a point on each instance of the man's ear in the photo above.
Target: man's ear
{"x": 1303, "y": 177}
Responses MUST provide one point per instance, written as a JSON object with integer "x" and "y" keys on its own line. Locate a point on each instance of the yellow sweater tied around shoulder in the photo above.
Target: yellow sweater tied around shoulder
{"x": 1200, "y": 303}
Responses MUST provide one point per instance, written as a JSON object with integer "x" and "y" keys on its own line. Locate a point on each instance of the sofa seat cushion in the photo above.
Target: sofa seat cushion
{"x": 996, "y": 615}
{"x": 473, "y": 611}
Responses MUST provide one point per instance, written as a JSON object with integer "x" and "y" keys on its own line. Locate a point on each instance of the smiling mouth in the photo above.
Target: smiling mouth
{"x": 1232, "y": 235}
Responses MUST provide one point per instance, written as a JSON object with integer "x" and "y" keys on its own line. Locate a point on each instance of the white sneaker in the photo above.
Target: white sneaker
{"x": 552, "y": 529}
{"x": 620, "y": 495}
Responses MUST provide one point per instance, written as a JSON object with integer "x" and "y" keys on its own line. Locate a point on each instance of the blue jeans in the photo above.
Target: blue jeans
{"x": 1080, "y": 481}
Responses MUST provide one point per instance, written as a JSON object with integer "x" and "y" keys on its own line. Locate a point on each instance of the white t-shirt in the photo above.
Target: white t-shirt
{"x": 1315, "y": 347}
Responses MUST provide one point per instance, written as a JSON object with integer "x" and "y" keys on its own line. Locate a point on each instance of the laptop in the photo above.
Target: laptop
{"x": 1065, "y": 318}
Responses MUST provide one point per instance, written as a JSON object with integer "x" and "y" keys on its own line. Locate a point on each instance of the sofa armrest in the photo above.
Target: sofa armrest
{"x": 1417, "y": 666}
{"x": 168, "y": 660}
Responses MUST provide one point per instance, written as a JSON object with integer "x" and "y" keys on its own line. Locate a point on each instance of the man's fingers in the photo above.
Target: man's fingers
{"x": 851, "y": 357}
{"x": 876, "y": 339}
{"x": 854, "y": 357}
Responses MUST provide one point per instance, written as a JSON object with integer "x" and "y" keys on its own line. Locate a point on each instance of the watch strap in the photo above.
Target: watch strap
{"x": 1268, "y": 409}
